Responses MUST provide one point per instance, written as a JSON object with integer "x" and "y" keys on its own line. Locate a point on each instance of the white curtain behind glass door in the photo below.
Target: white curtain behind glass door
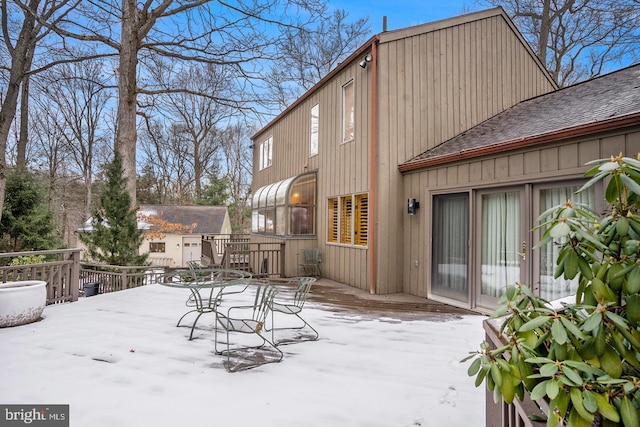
{"x": 501, "y": 239}
{"x": 551, "y": 288}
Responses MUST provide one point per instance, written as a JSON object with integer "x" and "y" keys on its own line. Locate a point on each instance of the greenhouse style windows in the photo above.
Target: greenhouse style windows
{"x": 348, "y": 220}
{"x": 286, "y": 208}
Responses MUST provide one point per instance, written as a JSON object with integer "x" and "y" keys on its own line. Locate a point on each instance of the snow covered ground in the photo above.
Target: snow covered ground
{"x": 118, "y": 360}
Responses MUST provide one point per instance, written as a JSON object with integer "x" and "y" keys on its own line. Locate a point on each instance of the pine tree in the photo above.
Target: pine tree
{"x": 27, "y": 223}
{"x": 115, "y": 238}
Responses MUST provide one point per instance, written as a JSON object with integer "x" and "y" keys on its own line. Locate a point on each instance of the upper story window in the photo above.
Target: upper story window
{"x": 286, "y": 207}
{"x": 266, "y": 153}
{"x": 348, "y": 112}
{"x": 315, "y": 123}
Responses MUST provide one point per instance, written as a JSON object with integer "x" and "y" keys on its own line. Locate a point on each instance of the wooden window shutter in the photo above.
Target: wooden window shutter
{"x": 361, "y": 225}
{"x": 332, "y": 227}
{"x": 346, "y": 219}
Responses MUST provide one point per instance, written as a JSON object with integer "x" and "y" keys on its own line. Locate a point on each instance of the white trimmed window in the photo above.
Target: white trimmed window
{"x": 315, "y": 123}
{"x": 266, "y": 153}
{"x": 348, "y": 220}
{"x": 348, "y": 112}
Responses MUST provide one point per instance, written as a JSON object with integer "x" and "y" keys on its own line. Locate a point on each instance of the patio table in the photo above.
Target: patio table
{"x": 207, "y": 287}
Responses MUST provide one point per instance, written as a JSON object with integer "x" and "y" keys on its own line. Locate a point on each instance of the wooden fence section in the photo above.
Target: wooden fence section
{"x": 516, "y": 414}
{"x": 60, "y": 271}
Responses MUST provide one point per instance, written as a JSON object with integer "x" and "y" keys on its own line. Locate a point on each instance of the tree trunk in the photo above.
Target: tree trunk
{"x": 21, "y": 159}
{"x": 21, "y": 58}
{"x": 126, "y": 134}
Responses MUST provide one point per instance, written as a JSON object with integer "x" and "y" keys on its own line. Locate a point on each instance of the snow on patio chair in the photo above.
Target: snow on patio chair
{"x": 293, "y": 306}
{"x": 249, "y": 320}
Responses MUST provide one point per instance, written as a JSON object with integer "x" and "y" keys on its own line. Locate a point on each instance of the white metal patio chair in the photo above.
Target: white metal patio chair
{"x": 251, "y": 320}
{"x": 293, "y": 306}
{"x": 207, "y": 298}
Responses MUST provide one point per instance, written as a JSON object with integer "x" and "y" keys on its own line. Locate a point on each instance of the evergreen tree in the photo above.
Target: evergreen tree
{"x": 216, "y": 193}
{"x": 27, "y": 223}
{"x": 115, "y": 237}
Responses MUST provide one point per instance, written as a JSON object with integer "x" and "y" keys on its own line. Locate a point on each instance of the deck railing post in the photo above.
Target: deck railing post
{"x": 74, "y": 277}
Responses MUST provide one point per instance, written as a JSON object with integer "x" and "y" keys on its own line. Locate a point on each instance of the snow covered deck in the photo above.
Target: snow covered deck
{"x": 118, "y": 360}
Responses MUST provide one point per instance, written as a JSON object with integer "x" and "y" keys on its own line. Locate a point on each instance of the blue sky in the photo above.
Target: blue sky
{"x": 403, "y": 13}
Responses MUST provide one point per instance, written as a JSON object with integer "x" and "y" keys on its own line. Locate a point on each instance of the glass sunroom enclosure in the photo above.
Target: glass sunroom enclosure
{"x": 286, "y": 208}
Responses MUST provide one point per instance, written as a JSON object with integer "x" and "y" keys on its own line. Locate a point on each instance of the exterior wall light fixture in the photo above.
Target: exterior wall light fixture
{"x": 412, "y": 206}
{"x": 365, "y": 61}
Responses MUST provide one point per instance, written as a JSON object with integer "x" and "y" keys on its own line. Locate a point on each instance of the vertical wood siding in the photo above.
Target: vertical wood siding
{"x": 433, "y": 86}
{"x": 433, "y": 82}
{"x": 552, "y": 162}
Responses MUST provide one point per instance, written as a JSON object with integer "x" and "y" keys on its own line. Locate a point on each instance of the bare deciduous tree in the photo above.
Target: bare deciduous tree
{"x": 577, "y": 39}
{"x": 24, "y": 26}
{"x": 237, "y": 34}
{"x": 307, "y": 55}
{"x": 77, "y": 93}
{"x": 197, "y": 112}
{"x": 237, "y": 154}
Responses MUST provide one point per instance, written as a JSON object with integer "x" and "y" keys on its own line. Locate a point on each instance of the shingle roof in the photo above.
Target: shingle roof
{"x": 208, "y": 219}
{"x": 603, "y": 99}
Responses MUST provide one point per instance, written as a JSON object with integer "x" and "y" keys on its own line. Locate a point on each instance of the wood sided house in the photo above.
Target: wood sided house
{"x": 421, "y": 163}
{"x": 175, "y": 235}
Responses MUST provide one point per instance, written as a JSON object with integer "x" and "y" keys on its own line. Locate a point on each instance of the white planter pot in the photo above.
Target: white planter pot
{"x": 21, "y": 302}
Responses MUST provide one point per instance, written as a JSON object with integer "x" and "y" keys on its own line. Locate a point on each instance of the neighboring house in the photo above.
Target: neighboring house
{"x": 174, "y": 235}
{"x": 341, "y": 167}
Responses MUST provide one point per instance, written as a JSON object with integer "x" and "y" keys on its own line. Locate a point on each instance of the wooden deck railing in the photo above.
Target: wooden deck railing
{"x": 262, "y": 259}
{"x": 60, "y": 271}
{"x": 213, "y": 246}
{"x": 111, "y": 278}
{"x": 516, "y": 414}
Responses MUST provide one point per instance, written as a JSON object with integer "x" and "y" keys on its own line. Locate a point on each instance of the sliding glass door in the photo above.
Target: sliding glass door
{"x": 546, "y": 197}
{"x": 501, "y": 231}
{"x": 450, "y": 246}
{"x": 483, "y": 241}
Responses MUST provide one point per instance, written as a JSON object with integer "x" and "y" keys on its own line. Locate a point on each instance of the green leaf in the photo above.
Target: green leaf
{"x": 561, "y": 229}
{"x": 606, "y": 409}
{"x": 571, "y": 265}
{"x": 589, "y": 401}
{"x": 576, "y": 399}
{"x": 592, "y": 321}
{"x": 534, "y": 323}
{"x": 539, "y": 391}
{"x": 612, "y": 191}
{"x": 552, "y": 389}
{"x": 628, "y": 413}
{"x": 630, "y": 183}
{"x": 572, "y": 375}
{"x": 611, "y": 363}
{"x": 549, "y": 369}
{"x": 538, "y": 360}
{"x": 572, "y": 328}
{"x": 633, "y": 308}
{"x": 632, "y": 286}
{"x": 558, "y": 332}
{"x": 474, "y": 367}
{"x": 496, "y": 375}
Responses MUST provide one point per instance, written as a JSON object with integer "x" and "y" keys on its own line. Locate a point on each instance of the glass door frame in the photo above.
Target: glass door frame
{"x": 523, "y": 245}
